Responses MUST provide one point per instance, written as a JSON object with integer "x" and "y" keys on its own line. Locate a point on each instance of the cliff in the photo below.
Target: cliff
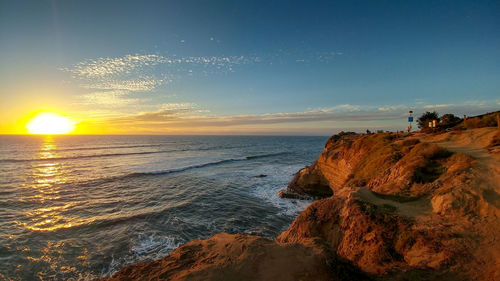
{"x": 417, "y": 207}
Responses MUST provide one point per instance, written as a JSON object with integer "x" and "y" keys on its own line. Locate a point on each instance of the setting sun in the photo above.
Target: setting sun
{"x": 49, "y": 123}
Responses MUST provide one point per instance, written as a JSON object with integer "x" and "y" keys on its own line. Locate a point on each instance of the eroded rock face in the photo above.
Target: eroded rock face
{"x": 375, "y": 239}
{"x": 402, "y": 208}
{"x": 308, "y": 182}
{"x": 381, "y": 162}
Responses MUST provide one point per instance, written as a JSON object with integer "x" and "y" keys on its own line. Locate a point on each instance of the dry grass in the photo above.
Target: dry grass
{"x": 485, "y": 120}
{"x": 340, "y": 136}
{"x": 383, "y": 154}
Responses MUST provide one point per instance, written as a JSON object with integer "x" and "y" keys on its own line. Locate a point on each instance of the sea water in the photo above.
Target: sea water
{"x": 82, "y": 207}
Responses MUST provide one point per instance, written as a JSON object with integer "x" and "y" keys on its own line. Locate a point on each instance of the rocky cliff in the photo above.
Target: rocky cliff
{"x": 394, "y": 207}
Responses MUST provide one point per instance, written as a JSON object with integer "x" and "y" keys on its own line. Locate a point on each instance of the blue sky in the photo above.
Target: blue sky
{"x": 247, "y": 67}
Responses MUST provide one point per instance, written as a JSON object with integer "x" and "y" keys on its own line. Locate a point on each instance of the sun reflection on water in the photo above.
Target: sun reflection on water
{"x": 52, "y": 206}
{"x": 51, "y": 210}
{"x": 55, "y": 259}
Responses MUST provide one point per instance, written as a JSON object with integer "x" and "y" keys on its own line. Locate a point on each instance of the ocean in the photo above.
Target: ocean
{"x": 82, "y": 207}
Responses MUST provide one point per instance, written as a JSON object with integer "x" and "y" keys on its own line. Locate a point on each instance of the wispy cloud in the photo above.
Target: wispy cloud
{"x": 179, "y": 117}
{"x": 123, "y": 81}
{"x": 327, "y": 56}
{"x": 130, "y": 64}
{"x": 116, "y": 81}
{"x": 103, "y": 67}
{"x": 465, "y": 108}
{"x": 188, "y": 116}
{"x": 144, "y": 85}
{"x": 107, "y": 99}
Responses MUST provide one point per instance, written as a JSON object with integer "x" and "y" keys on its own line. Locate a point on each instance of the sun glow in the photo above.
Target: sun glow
{"x": 49, "y": 123}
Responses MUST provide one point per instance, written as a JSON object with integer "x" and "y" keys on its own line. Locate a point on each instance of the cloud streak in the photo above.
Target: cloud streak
{"x": 144, "y": 85}
{"x": 116, "y": 82}
{"x": 130, "y": 64}
{"x": 188, "y": 116}
{"x": 103, "y": 67}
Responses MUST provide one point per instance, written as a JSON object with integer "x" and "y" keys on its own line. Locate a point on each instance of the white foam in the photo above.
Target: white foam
{"x": 152, "y": 247}
{"x": 83, "y": 277}
{"x": 277, "y": 178}
{"x": 146, "y": 247}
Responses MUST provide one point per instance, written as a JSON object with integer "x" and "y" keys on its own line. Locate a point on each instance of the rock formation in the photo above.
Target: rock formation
{"x": 234, "y": 257}
{"x": 413, "y": 207}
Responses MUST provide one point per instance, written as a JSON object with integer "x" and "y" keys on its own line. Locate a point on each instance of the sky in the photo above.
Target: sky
{"x": 246, "y": 67}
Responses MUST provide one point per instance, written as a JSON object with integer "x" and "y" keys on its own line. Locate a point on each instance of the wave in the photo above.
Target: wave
{"x": 220, "y": 162}
{"x": 178, "y": 170}
{"x": 265, "y": 155}
{"x": 107, "y": 147}
{"x": 7, "y": 160}
{"x": 85, "y": 156}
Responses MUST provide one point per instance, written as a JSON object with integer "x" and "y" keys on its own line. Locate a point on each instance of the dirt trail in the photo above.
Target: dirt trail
{"x": 419, "y": 207}
{"x": 473, "y": 142}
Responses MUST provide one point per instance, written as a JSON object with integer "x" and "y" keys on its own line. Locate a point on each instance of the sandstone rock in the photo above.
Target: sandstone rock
{"x": 310, "y": 181}
{"x": 240, "y": 257}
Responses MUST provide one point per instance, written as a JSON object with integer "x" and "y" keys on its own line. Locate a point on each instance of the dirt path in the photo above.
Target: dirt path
{"x": 473, "y": 143}
{"x": 419, "y": 207}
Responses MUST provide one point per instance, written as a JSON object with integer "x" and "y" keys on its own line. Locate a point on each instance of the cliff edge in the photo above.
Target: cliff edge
{"x": 393, "y": 207}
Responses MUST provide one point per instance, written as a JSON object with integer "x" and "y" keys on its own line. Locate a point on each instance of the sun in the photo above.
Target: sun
{"x": 49, "y": 123}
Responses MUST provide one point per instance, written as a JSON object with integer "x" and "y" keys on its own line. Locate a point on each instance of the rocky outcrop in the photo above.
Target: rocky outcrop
{"x": 394, "y": 208}
{"x": 241, "y": 257}
{"x": 403, "y": 207}
{"x": 375, "y": 238}
{"x": 381, "y": 162}
{"x": 308, "y": 182}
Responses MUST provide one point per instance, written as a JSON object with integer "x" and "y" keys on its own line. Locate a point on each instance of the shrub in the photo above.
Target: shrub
{"x": 424, "y": 119}
{"x": 340, "y": 136}
{"x": 449, "y": 120}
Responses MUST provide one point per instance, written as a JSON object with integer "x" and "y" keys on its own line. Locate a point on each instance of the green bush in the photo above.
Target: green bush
{"x": 449, "y": 120}
{"x": 424, "y": 119}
